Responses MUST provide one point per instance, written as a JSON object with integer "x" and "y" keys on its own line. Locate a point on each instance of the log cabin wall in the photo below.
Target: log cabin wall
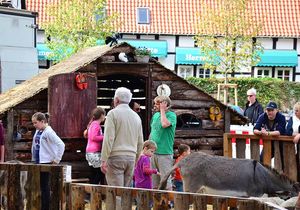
{"x": 194, "y": 127}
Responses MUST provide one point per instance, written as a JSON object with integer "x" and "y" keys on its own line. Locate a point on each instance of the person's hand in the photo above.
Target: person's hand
{"x": 296, "y": 139}
{"x": 103, "y": 167}
{"x": 163, "y": 106}
{"x": 158, "y": 174}
{"x": 264, "y": 132}
{"x": 54, "y": 162}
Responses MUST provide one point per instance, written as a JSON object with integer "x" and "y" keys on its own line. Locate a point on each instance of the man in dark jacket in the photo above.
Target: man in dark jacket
{"x": 253, "y": 108}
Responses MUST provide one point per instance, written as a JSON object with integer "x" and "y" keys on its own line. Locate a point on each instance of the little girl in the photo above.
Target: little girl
{"x": 94, "y": 146}
{"x": 47, "y": 148}
{"x": 143, "y": 171}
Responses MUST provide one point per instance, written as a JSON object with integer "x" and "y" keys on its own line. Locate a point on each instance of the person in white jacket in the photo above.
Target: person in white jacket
{"x": 47, "y": 148}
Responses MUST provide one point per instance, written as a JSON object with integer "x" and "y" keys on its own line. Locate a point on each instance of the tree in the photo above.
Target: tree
{"x": 226, "y": 33}
{"x": 76, "y": 24}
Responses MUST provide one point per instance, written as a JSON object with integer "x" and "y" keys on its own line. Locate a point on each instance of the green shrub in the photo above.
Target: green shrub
{"x": 284, "y": 93}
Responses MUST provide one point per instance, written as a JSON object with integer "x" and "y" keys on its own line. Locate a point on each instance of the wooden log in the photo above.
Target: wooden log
{"x": 195, "y": 143}
{"x": 199, "y": 202}
{"x": 143, "y": 200}
{"x": 198, "y": 133}
{"x": 220, "y": 203}
{"x": 246, "y": 204}
{"x": 289, "y": 158}
{"x": 126, "y": 201}
{"x": 160, "y": 200}
{"x": 96, "y": 201}
{"x": 179, "y": 104}
{"x": 199, "y": 113}
{"x": 111, "y": 198}
{"x": 56, "y": 186}
{"x": 33, "y": 189}
{"x": 181, "y": 201}
{"x": 77, "y": 199}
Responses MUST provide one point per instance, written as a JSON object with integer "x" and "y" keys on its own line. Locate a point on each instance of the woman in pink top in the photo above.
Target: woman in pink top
{"x": 94, "y": 145}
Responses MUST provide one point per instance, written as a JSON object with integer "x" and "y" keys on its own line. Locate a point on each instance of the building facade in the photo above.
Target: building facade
{"x": 166, "y": 27}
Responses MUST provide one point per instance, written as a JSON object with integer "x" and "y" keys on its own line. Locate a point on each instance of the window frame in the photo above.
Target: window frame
{"x": 138, "y": 13}
{"x": 198, "y": 68}
{"x": 256, "y": 69}
{"x": 185, "y": 67}
{"x": 284, "y": 69}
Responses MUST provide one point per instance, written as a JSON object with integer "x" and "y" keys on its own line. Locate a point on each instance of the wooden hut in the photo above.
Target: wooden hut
{"x": 69, "y": 90}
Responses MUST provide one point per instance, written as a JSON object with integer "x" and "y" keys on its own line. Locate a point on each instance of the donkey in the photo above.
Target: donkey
{"x": 4, "y": 182}
{"x": 203, "y": 173}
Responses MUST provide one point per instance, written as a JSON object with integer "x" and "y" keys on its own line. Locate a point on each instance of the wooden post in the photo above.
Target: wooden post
{"x": 78, "y": 194}
{"x": 246, "y": 204}
{"x": 143, "y": 200}
{"x": 267, "y": 152}
{"x": 160, "y": 201}
{"x": 126, "y": 199}
{"x": 181, "y": 201}
{"x": 220, "y": 203}
{"x": 225, "y": 88}
{"x": 33, "y": 188}
{"x": 199, "y": 202}
{"x": 111, "y": 198}
{"x": 96, "y": 201}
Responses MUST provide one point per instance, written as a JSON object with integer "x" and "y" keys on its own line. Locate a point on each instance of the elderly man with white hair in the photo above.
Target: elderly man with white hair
{"x": 123, "y": 140}
{"x": 253, "y": 107}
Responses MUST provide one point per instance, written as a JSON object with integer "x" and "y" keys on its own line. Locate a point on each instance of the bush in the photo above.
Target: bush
{"x": 284, "y": 93}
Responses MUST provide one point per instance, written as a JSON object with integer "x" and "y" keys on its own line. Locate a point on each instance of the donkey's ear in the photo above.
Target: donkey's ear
{"x": 296, "y": 187}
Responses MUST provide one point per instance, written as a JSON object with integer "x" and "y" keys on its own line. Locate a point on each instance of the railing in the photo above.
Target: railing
{"x": 106, "y": 197}
{"x": 20, "y": 182}
{"x": 285, "y": 160}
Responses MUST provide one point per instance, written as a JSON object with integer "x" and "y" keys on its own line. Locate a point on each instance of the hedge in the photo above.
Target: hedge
{"x": 284, "y": 93}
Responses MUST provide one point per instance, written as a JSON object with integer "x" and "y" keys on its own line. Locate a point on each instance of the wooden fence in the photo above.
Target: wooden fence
{"x": 12, "y": 181}
{"x": 287, "y": 156}
{"x": 106, "y": 197}
{"x": 72, "y": 196}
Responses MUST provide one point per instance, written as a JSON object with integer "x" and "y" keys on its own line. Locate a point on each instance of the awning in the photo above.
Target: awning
{"x": 279, "y": 58}
{"x": 158, "y": 48}
{"x": 188, "y": 55}
{"x": 43, "y": 51}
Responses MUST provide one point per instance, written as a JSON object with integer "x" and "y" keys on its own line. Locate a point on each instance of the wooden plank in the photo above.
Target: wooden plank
{"x": 220, "y": 203}
{"x": 143, "y": 200}
{"x": 33, "y": 189}
{"x": 240, "y": 148}
{"x": 13, "y": 187}
{"x": 290, "y": 164}
{"x": 56, "y": 186}
{"x": 96, "y": 200}
{"x": 267, "y": 152}
{"x": 126, "y": 201}
{"x": 9, "y": 154}
{"x": 179, "y": 104}
{"x": 111, "y": 198}
{"x": 246, "y": 204}
{"x": 160, "y": 200}
{"x": 199, "y": 202}
{"x": 254, "y": 148}
{"x": 277, "y": 157}
{"x": 77, "y": 199}
{"x": 181, "y": 201}
{"x": 198, "y": 133}
{"x": 227, "y": 146}
{"x": 130, "y": 68}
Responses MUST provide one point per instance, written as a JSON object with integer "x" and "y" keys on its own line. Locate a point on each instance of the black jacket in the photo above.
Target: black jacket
{"x": 258, "y": 110}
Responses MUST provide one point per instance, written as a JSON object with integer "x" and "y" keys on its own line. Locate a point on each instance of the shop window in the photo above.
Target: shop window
{"x": 143, "y": 15}
{"x": 261, "y": 72}
{"x": 185, "y": 71}
{"x": 202, "y": 73}
{"x": 283, "y": 74}
{"x": 188, "y": 122}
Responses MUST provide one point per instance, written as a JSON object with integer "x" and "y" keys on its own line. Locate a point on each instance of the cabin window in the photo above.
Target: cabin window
{"x": 185, "y": 71}
{"x": 188, "y": 122}
{"x": 261, "y": 72}
{"x": 143, "y": 15}
{"x": 284, "y": 74}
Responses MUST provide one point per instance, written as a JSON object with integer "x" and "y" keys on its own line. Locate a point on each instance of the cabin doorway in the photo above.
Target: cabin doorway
{"x": 106, "y": 86}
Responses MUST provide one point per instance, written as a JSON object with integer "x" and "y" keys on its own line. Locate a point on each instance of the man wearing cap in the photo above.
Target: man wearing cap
{"x": 253, "y": 108}
{"x": 270, "y": 123}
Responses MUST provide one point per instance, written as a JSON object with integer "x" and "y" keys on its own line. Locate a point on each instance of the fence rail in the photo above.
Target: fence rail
{"x": 285, "y": 160}
{"x": 106, "y": 197}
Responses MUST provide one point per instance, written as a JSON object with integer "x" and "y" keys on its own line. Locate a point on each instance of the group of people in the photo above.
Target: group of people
{"x": 120, "y": 153}
{"x": 271, "y": 122}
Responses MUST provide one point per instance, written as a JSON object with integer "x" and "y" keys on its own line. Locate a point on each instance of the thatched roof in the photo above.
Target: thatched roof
{"x": 33, "y": 86}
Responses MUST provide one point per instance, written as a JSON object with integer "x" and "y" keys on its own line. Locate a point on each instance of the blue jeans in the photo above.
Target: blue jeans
{"x": 178, "y": 185}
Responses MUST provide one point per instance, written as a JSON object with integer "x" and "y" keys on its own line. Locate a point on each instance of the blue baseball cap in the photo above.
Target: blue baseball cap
{"x": 271, "y": 105}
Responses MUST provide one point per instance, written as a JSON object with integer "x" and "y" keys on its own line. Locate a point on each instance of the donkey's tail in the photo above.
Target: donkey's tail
{"x": 164, "y": 180}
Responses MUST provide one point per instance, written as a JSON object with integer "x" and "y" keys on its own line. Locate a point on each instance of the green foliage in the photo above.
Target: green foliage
{"x": 286, "y": 94}
{"x": 142, "y": 51}
{"x": 75, "y": 25}
{"x": 225, "y": 33}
